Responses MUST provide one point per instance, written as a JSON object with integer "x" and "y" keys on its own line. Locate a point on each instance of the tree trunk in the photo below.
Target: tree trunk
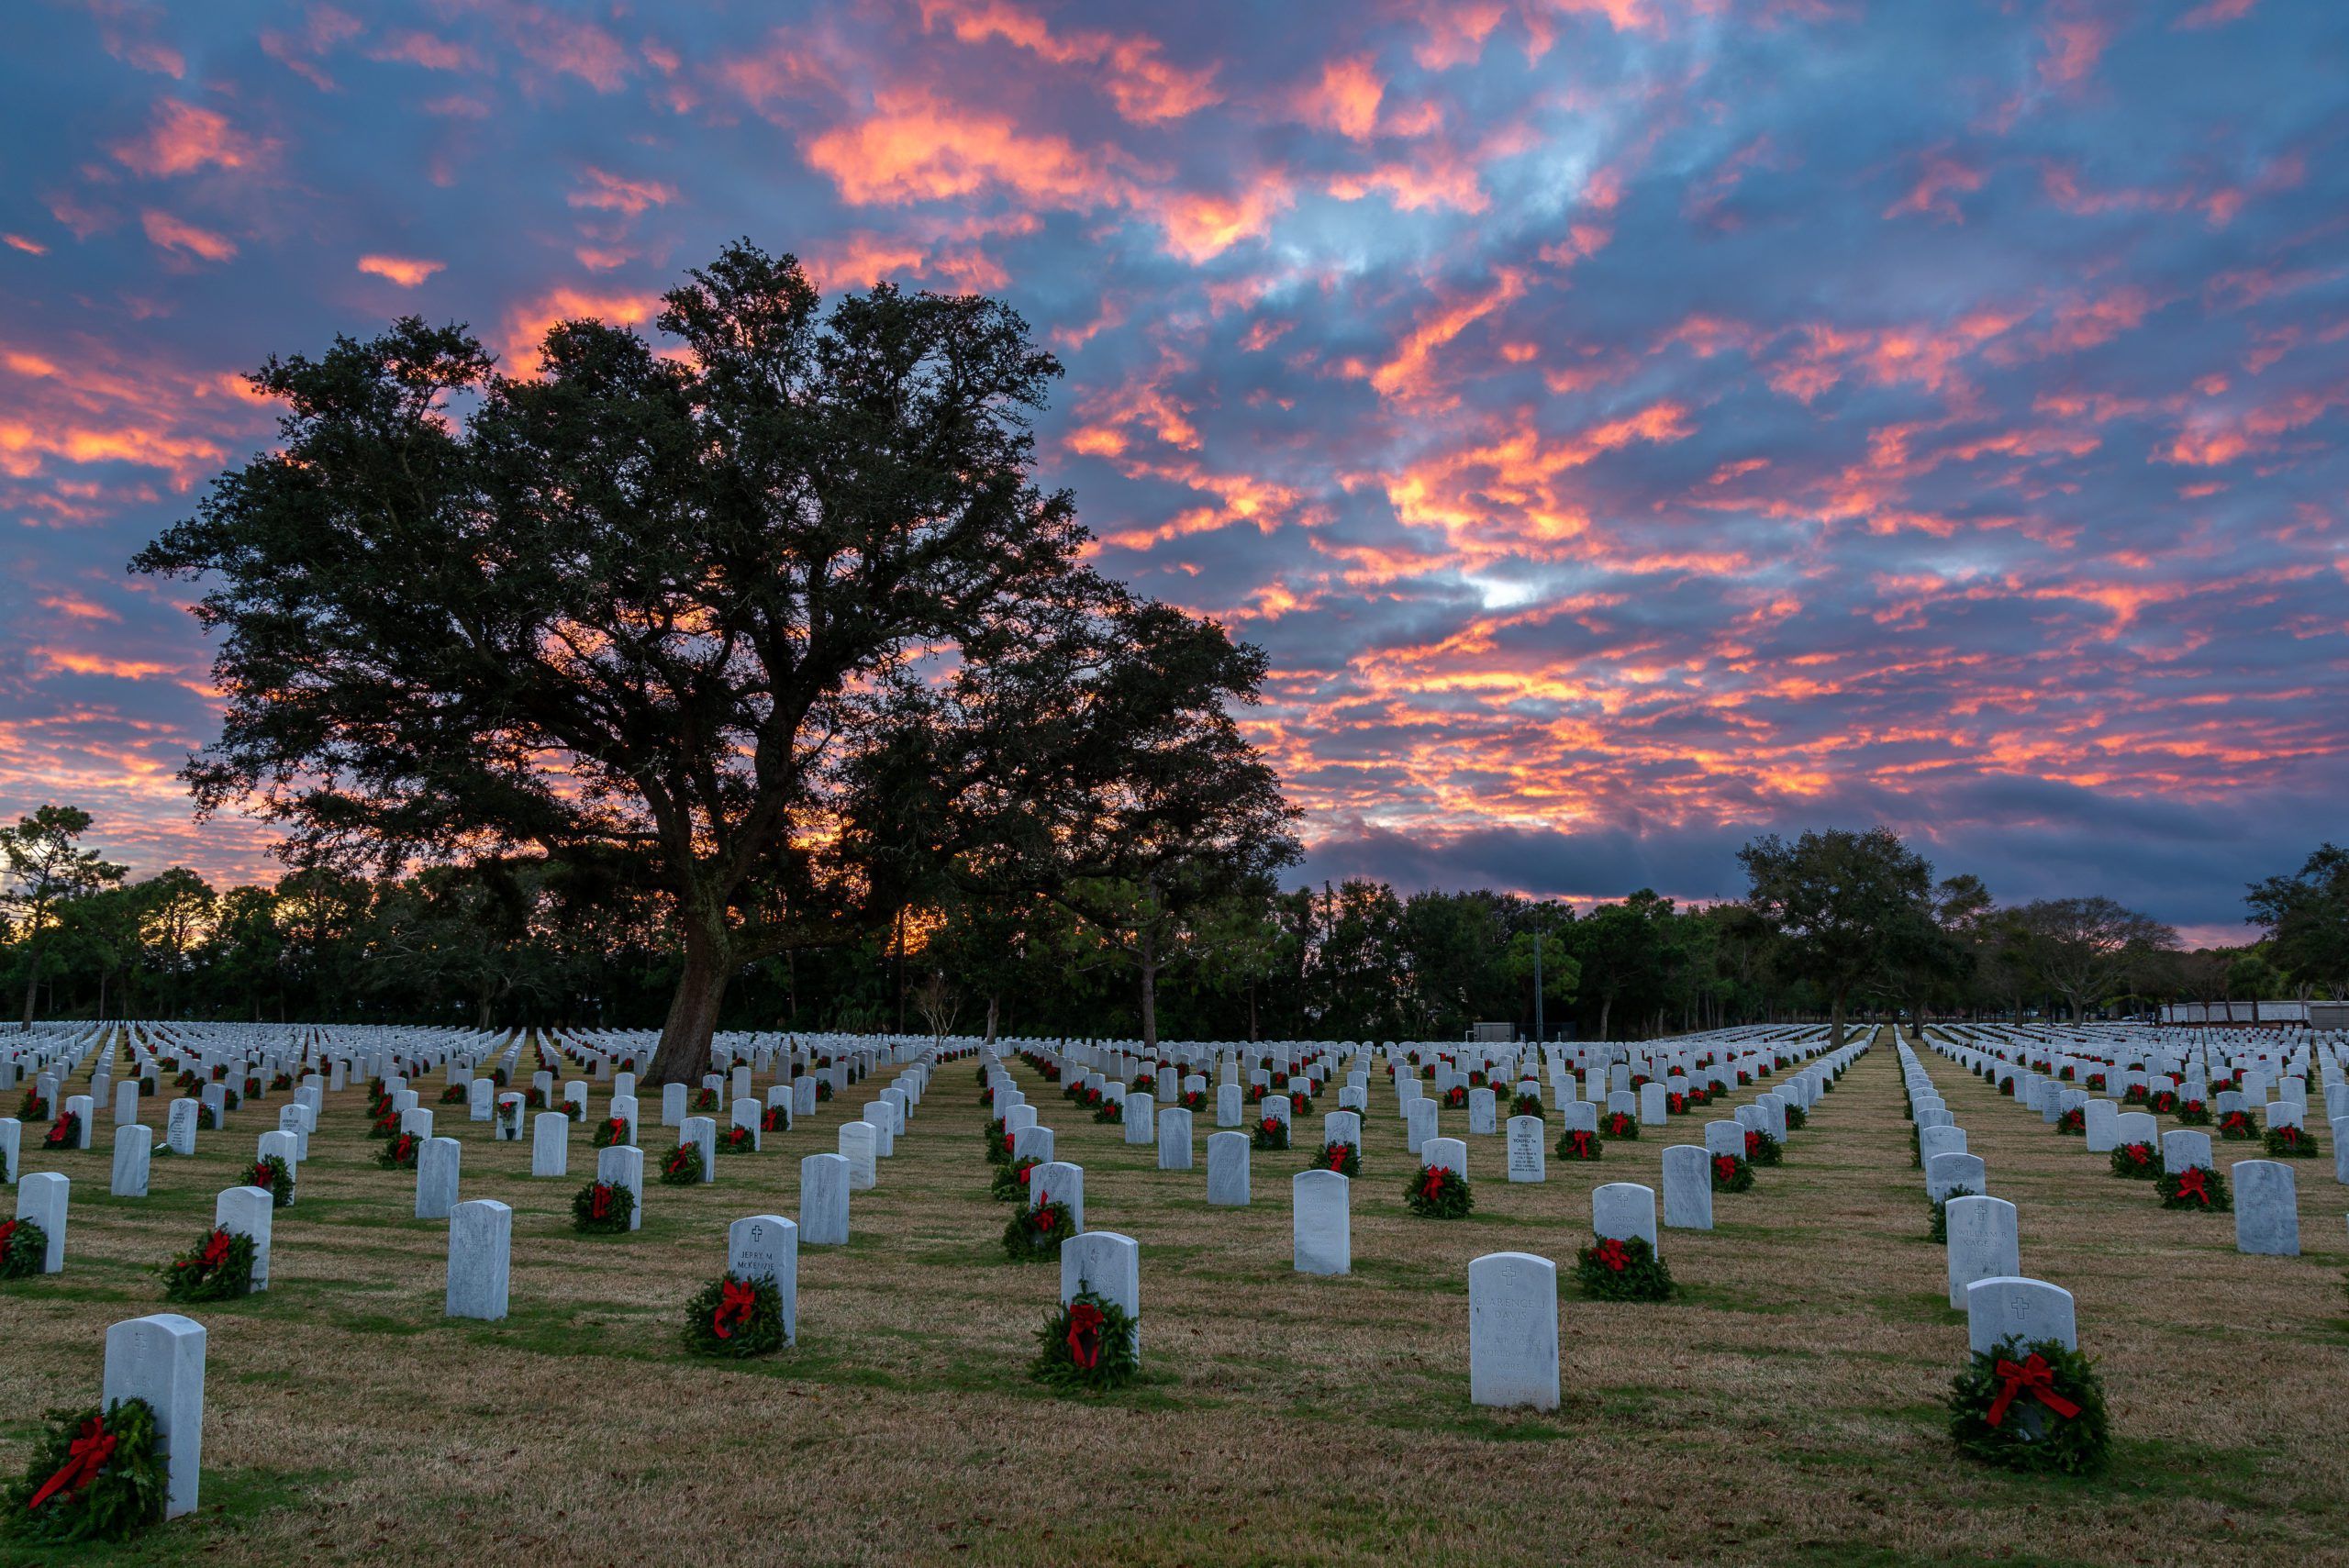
{"x": 684, "y": 1053}
{"x": 1148, "y": 999}
{"x": 32, "y": 988}
{"x": 1606, "y": 1006}
{"x": 1835, "y": 1023}
{"x": 993, "y": 1003}
{"x": 1251, "y": 1013}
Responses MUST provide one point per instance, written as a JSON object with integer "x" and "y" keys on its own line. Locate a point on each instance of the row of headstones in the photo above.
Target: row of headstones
{"x": 2132, "y": 1063}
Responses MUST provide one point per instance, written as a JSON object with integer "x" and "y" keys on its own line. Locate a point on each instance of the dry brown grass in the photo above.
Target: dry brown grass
{"x": 1785, "y": 1410}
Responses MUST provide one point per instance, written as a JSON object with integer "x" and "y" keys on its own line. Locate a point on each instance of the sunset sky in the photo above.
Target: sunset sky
{"x": 1629, "y": 425}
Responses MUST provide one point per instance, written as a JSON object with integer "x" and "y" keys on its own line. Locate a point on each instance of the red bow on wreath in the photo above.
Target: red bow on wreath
{"x": 59, "y": 1132}
{"x": 1085, "y": 1325}
{"x": 2035, "y": 1378}
{"x": 735, "y": 1304}
{"x": 1724, "y": 1166}
{"x": 1432, "y": 1187}
{"x": 599, "y": 1206}
{"x": 215, "y": 1249}
{"x": 1581, "y": 1141}
{"x": 261, "y": 1177}
{"x": 2194, "y": 1182}
{"x": 1753, "y": 1143}
{"x": 1612, "y": 1253}
{"x": 1337, "y": 1156}
{"x": 8, "y": 1229}
{"x": 84, "y": 1459}
{"x": 2139, "y": 1153}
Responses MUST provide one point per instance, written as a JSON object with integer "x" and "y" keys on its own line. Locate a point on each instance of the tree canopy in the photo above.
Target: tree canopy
{"x": 777, "y": 623}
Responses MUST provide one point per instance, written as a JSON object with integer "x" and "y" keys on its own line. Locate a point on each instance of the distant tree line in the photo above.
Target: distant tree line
{"x": 1835, "y": 918}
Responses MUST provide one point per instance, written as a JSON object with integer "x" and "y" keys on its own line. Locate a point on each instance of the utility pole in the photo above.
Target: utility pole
{"x": 1538, "y": 1035}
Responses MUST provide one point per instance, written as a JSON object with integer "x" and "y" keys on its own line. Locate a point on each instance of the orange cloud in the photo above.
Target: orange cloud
{"x": 182, "y": 137}
{"x": 170, "y": 233}
{"x": 916, "y": 147}
{"x": 2073, "y": 44}
{"x": 1345, "y": 99}
{"x": 615, "y": 192}
{"x": 527, "y": 323}
{"x": 1940, "y": 176}
{"x": 1142, "y": 86}
{"x": 401, "y": 269}
{"x": 1407, "y": 373}
{"x": 29, "y": 247}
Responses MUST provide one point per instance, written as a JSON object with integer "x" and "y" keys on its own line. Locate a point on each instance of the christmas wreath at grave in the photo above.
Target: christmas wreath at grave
{"x": 2006, "y": 1085}
{"x": 2238, "y": 1125}
{"x": 284, "y": 1081}
{"x": 228, "y": 1100}
{"x": 1743, "y": 1077}
{"x": 1455, "y": 1096}
{"x": 1270, "y": 1133}
{"x": 1038, "y": 1232}
{"x": 1731, "y": 1174}
{"x": 613, "y": 1131}
{"x": 23, "y": 1249}
{"x": 400, "y": 1152}
{"x": 735, "y": 1318}
{"x": 1476, "y": 1078}
{"x": 1619, "y": 1124}
{"x": 2073, "y": 1123}
{"x": 987, "y": 1096}
{"x": 253, "y": 1089}
{"x": 1343, "y": 1158}
{"x": 386, "y": 1124}
{"x": 775, "y": 1119}
{"x": 1938, "y": 1228}
{"x": 1193, "y": 1100}
{"x": 33, "y": 1107}
{"x": 824, "y": 1090}
{"x": 1439, "y": 1192}
{"x": 2036, "y": 1407}
{"x": 2194, "y": 1112}
{"x": 1580, "y": 1143}
{"x": 535, "y": 1098}
{"x": 217, "y": 1268}
{"x": 65, "y": 1132}
{"x": 454, "y": 1095}
{"x": 705, "y": 1100}
{"x": 2164, "y": 1102}
{"x": 94, "y": 1475}
{"x": 1300, "y": 1103}
{"x": 2196, "y": 1186}
{"x": 681, "y": 1167}
{"x": 1797, "y": 1119}
{"x": 2289, "y": 1142}
{"x": 1761, "y": 1149}
{"x": 1088, "y": 1343}
{"x": 603, "y": 1207}
{"x": 998, "y": 1142}
{"x": 739, "y": 1140}
{"x": 1011, "y": 1181}
{"x": 275, "y": 1176}
{"x": 1527, "y": 1104}
{"x": 1109, "y": 1112}
{"x": 2096, "y": 1083}
{"x": 979, "y": 1076}
{"x": 1622, "y": 1269}
{"x": 1255, "y": 1094}
{"x": 2135, "y": 1095}
{"x": 497, "y": 1077}
{"x": 379, "y": 1105}
{"x": 2139, "y": 1161}
{"x": 1675, "y": 1102}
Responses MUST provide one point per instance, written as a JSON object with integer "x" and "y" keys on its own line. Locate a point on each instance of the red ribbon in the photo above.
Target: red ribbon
{"x": 1085, "y": 1323}
{"x": 1724, "y": 1166}
{"x": 735, "y": 1305}
{"x": 215, "y": 1249}
{"x": 2194, "y": 1181}
{"x": 617, "y": 1127}
{"x": 2035, "y": 1377}
{"x": 1432, "y": 1187}
{"x": 1612, "y": 1253}
{"x": 7, "y": 1229}
{"x": 599, "y": 1206}
{"x": 1753, "y": 1143}
{"x": 1581, "y": 1141}
{"x": 61, "y": 1131}
{"x": 1338, "y": 1156}
{"x": 87, "y": 1456}
{"x": 262, "y": 1177}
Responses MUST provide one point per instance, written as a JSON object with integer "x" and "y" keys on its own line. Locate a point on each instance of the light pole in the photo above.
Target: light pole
{"x": 1537, "y": 975}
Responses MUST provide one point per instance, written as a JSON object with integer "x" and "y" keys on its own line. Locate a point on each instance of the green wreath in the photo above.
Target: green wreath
{"x": 1038, "y": 1232}
{"x": 1527, "y": 1105}
{"x": 1762, "y": 1149}
{"x": 217, "y": 1268}
{"x": 610, "y": 1216}
{"x": 739, "y": 1140}
{"x": 2193, "y": 1113}
{"x": 2202, "y": 1187}
{"x": 682, "y": 1167}
{"x": 1580, "y": 1143}
{"x": 1087, "y": 1343}
{"x": 1011, "y": 1181}
{"x": 735, "y": 1318}
{"x": 274, "y": 1175}
{"x": 1439, "y": 1192}
{"x": 1731, "y": 1173}
{"x": 401, "y": 1153}
{"x": 2289, "y": 1142}
{"x": 1797, "y": 1119}
{"x": 1616, "y": 1125}
{"x": 1938, "y": 1230}
{"x": 92, "y": 1476}
{"x": 1270, "y": 1133}
{"x": 1622, "y": 1269}
{"x": 2036, "y": 1407}
{"x": 1342, "y": 1157}
{"x": 2073, "y": 1123}
{"x": 2138, "y": 1162}
{"x": 1109, "y": 1112}
{"x": 611, "y": 1132}
{"x": 23, "y": 1249}
{"x": 998, "y": 1142}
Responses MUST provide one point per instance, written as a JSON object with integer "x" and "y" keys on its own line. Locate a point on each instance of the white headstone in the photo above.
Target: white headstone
{"x": 160, "y": 1359}
{"x": 247, "y": 1211}
{"x": 1984, "y": 1243}
{"x": 766, "y": 1247}
{"x": 823, "y": 1200}
{"x": 1513, "y": 1331}
{"x": 1687, "y": 1187}
{"x": 481, "y": 1236}
{"x": 1228, "y": 1170}
{"x": 436, "y": 1177}
{"x": 1321, "y": 1226}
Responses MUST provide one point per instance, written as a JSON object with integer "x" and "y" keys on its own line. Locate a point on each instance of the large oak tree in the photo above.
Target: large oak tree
{"x": 775, "y": 620}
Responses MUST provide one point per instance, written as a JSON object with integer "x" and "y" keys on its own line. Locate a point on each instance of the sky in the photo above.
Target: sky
{"x": 1629, "y": 426}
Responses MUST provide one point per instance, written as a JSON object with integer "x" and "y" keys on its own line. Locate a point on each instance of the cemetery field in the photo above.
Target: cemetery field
{"x": 1784, "y": 1409}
